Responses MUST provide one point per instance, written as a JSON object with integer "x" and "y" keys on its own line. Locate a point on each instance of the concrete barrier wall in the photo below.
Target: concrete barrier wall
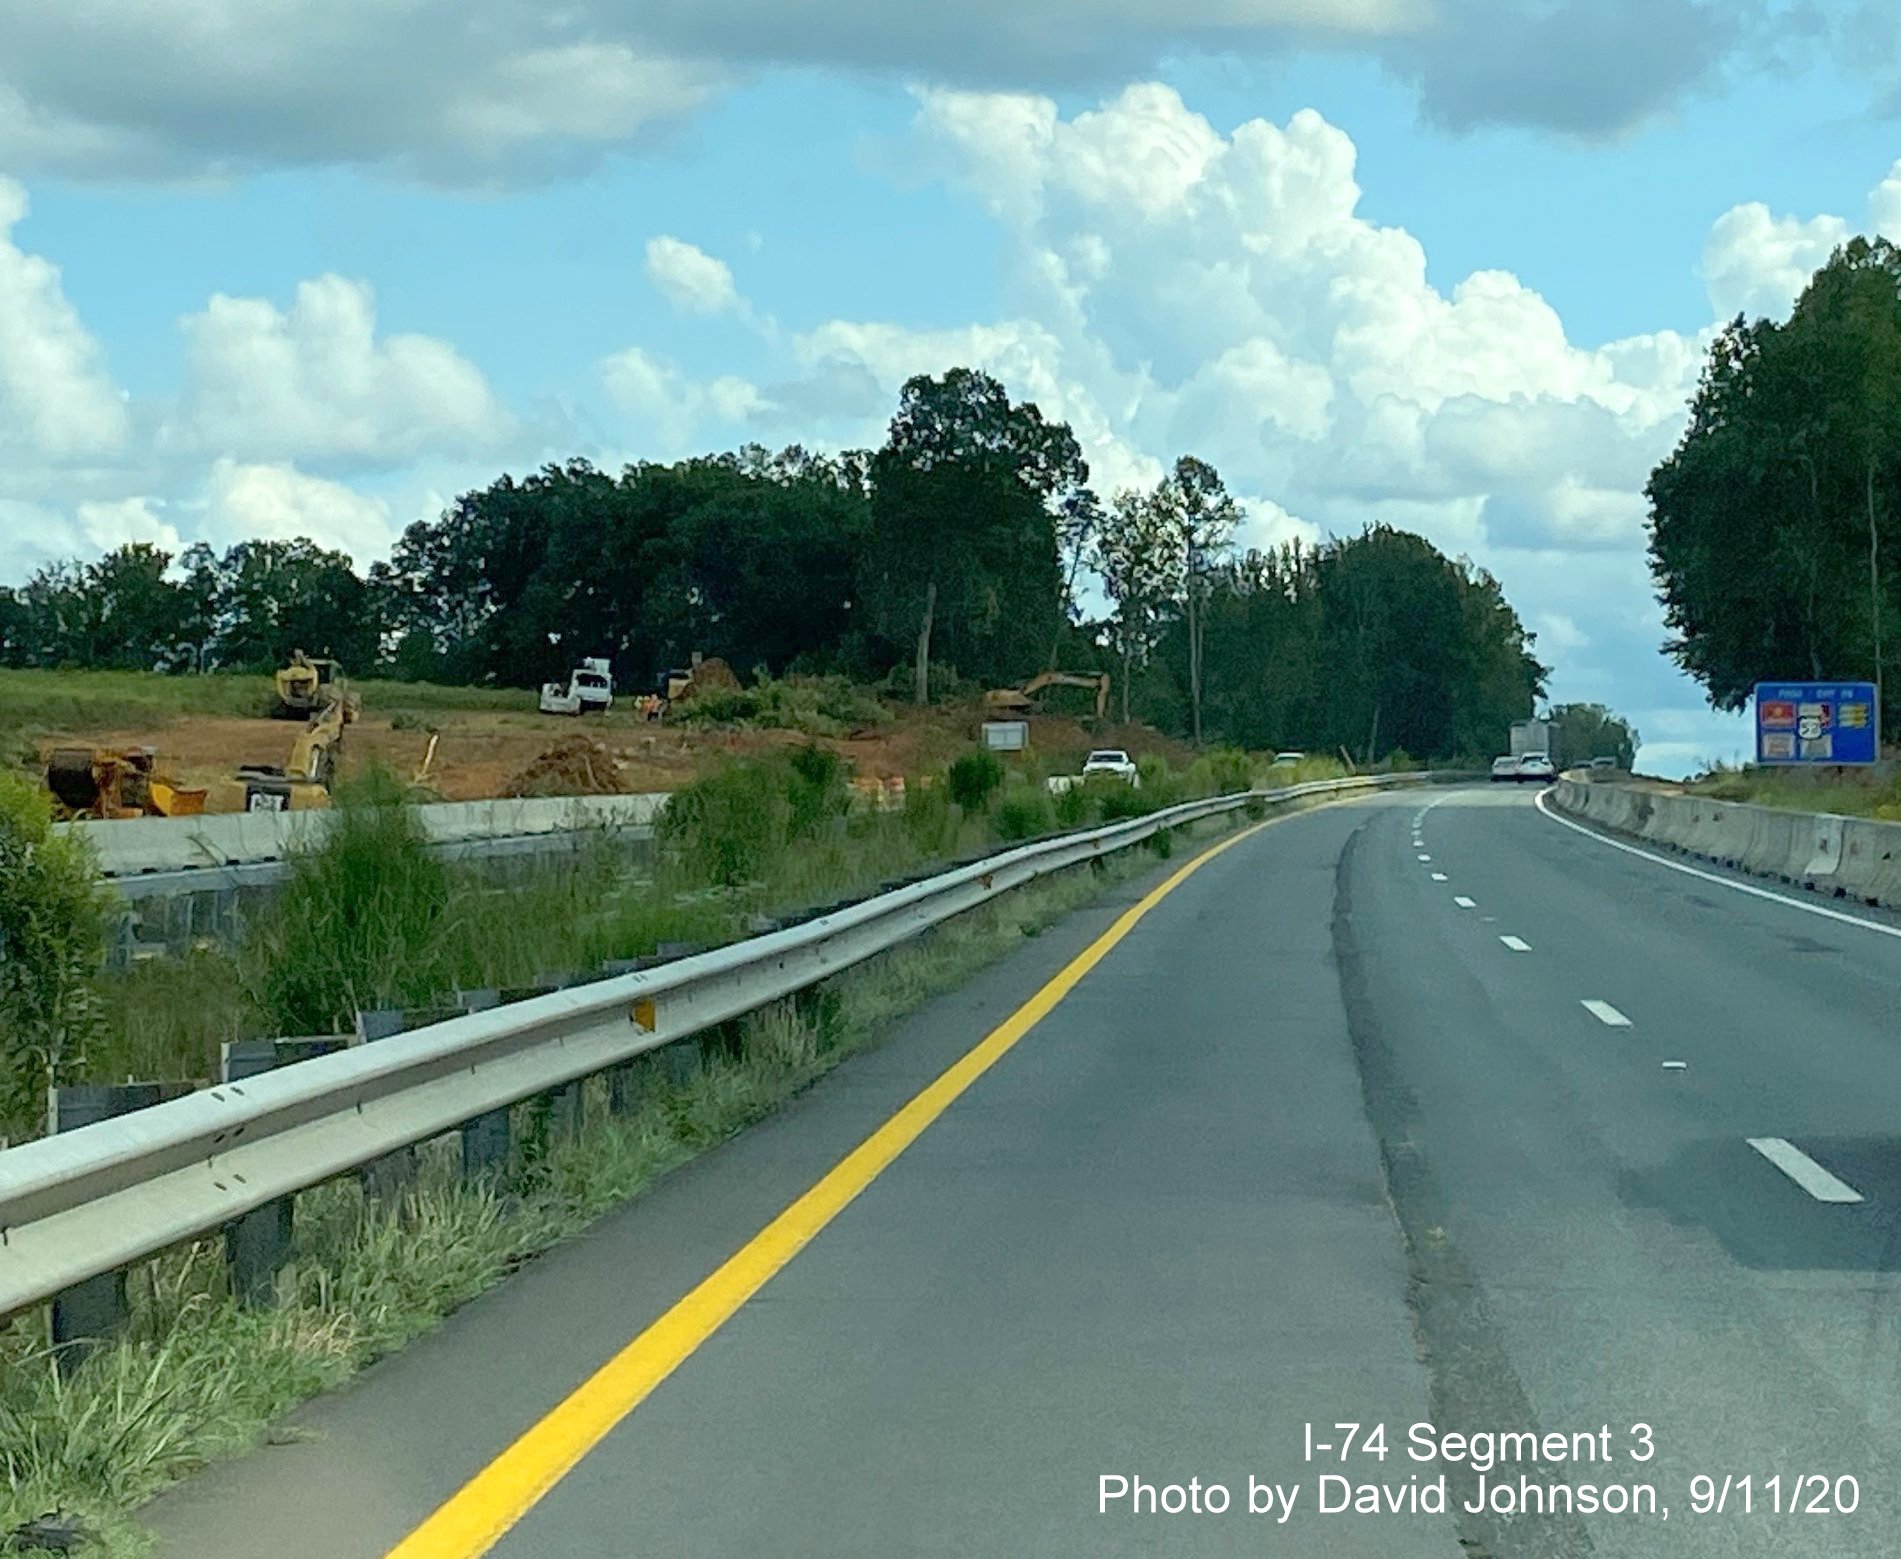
{"x": 1846, "y": 857}
{"x": 134, "y": 846}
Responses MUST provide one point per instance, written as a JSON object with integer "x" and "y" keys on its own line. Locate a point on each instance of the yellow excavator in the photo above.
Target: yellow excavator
{"x": 304, "y": 781}
{"x": 98, "y": 782}
{"x": 306, "y": 685}
{"x": 1021, "y": 700}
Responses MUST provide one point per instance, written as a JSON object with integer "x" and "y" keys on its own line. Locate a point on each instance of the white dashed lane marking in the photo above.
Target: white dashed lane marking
{"x": 1515, "y": 944}
{"x": 1804, "y": 1171}
{"x": 1463, "y": 902}
{"x": 1606, "y": 1014}
{"x": 1440, "y": 877}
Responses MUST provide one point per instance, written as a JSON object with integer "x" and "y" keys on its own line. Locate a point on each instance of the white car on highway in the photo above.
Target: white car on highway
{"x": 1112, "y": 760}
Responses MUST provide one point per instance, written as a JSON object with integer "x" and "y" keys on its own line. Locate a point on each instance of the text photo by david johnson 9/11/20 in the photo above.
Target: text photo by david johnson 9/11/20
{"x": 1508, "y": 1474}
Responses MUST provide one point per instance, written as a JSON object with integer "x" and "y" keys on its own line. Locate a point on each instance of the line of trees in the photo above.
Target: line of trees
{"x": 1582, "y": 732}
{"x": 954, "y": 554}
{"x": 1772, "y": 533}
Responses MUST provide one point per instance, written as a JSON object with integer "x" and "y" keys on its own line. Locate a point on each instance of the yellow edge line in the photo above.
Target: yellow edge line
{"x": 481, "y": 1512}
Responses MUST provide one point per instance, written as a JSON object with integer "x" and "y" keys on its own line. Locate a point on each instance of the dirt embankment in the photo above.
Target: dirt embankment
{"x": 482, "y": 754}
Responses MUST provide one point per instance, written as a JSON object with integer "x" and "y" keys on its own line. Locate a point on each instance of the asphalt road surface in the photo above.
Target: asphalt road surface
{"x": 1427, "y": 1110}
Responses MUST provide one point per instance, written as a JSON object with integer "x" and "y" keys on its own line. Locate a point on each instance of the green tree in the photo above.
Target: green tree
{"x": 54, "y": 620}
{"x": 277, "y": 596}
{"x": 1582, "y": 732}
{"x": 13, "y": 628}
{"x": 1263, "y": 665}
{"x": 52, "y": 937}
{"x": 758, "y": 562}
{"x": 136, "y": 618}
{"x": 962, "y": 560}
{"x": 1771, "y": 538}
{"x": 1196, "y": 514}
{"x": 1139, "y": 567}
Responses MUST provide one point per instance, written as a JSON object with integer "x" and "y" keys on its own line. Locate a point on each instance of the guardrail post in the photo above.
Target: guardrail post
{"x": 88, "y": 1313}
{"x": 486, "y": 1140}
{"x": 384, "y": 1179}
{"x": 257, "y": 1244}
{"x": 624, "y": 1088}
{"x": 567, "y": 1110}
{"x": 558, "y": 1112}
{"x": 679, "y": 1063}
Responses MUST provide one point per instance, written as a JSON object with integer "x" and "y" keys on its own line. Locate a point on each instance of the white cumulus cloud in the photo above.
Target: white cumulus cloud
{"x": 1756, "y": 263}
{"x": 56, "y": 397}
{"x": 113, "y": 523}
{"x": 316, "y": 383}
{"x": 691, "y": 279}
{"x": 246, "y": 502}
{"x": 670, "y": 408}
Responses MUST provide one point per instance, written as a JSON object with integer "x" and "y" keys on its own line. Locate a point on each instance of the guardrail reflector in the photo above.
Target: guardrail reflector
{"x": 643, "y": 1014}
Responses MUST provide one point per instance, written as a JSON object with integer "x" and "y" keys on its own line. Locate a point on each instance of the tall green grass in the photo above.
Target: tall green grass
{"x": 733, "y": 826}
{"x": 360, "y": 923}
{"x": 373, "y": 919}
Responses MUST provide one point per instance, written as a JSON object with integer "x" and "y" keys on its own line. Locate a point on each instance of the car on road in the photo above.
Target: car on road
{"x": 1603, "y": 763}
{"x": 1286, "y": 760}
{"x": 1534, "y": 766}
{"x": 1111, "y": 760}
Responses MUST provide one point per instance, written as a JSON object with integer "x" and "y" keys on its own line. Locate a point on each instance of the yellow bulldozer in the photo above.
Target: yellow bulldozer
{"x": 98, "y": 782}
{"x": 1021, "y": 700}
{"x": 306, "y": 685}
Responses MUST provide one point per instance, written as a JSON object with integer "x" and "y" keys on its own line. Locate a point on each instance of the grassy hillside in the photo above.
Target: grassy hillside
{"x": 1874, "y": 795}
{"x": 83, "y": 700}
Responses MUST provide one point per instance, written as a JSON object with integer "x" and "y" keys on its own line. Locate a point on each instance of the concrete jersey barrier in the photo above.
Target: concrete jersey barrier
{"x": 1848, "y": 857}
{"x": 134, "y": 846}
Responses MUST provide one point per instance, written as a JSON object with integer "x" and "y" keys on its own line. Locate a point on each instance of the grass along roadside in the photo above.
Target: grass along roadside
{"x": 374, "y": 919}
{"x": 200, "y": 1376}
{"x": 1876, "y": 794}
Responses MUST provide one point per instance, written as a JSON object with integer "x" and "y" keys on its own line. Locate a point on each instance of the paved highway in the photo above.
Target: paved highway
{"x": 1429, "y": 1109}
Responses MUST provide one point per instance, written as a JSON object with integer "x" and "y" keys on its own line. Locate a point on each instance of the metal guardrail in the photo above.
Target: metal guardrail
{"x": 92, "y": 1201}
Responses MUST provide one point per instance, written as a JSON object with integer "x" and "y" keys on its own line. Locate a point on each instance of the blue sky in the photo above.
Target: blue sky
{"x": 294, "y": 286}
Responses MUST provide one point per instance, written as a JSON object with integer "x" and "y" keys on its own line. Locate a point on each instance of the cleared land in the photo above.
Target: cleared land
{"x": 206, "y": 727}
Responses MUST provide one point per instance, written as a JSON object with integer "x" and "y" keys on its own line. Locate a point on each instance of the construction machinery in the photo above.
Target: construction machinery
{"x": 306, "y": 685}
{"x": 676, "y": 687}
{"x": 305, "y": 779}
{"x": 1021, "y": 700}
{"x": 97, "y": 782}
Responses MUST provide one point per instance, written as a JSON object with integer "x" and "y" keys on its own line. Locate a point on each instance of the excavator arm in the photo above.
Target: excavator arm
{"x": 1045, "y": 679}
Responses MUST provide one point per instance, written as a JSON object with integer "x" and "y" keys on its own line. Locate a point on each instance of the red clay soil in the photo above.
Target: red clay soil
{"x": 482, "y": 754}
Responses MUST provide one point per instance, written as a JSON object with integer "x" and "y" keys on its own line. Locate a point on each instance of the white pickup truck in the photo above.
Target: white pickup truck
{"x": 1112, "y": 760}
{"x": 588, "y": 690}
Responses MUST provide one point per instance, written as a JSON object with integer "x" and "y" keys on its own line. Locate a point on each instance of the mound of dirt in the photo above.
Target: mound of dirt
{"x": 579, "y": 766}
{"x": 712, "y": 675}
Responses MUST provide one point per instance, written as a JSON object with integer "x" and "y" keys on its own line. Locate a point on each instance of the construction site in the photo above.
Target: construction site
{"x": 314, "y": 726}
